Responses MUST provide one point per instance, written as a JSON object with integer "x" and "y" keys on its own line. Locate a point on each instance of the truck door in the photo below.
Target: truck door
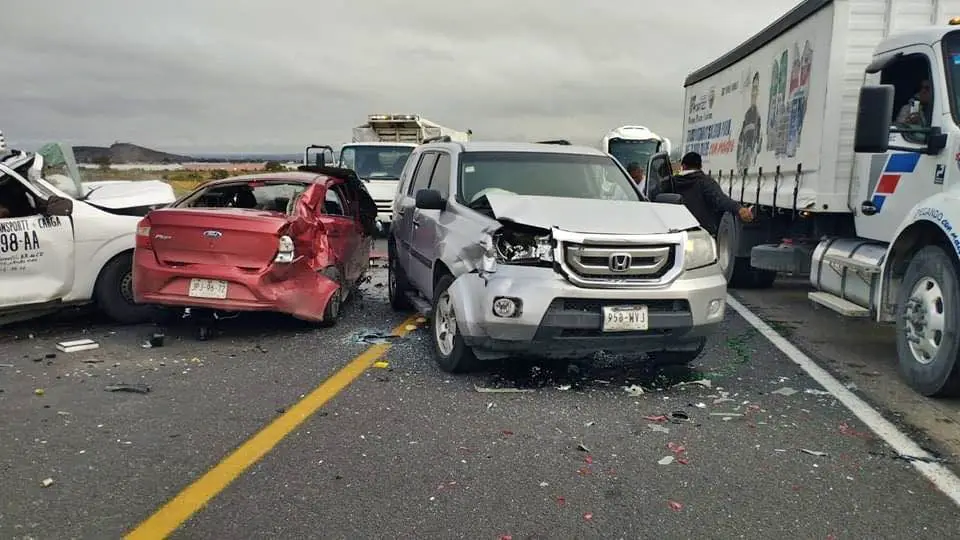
{"x": 406, "y": 214}
{"x": 36, "y": 250}
{"x": 890, "y": 184}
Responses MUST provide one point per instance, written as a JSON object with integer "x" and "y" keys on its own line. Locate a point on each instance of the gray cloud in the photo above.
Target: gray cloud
{"x": 252, "y": 75}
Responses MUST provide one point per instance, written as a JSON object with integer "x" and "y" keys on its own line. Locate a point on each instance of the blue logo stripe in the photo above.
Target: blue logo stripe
{"x": 902, "y": 163}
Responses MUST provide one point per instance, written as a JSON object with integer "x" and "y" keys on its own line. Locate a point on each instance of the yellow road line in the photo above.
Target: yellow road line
{"x": 189, "y": 501}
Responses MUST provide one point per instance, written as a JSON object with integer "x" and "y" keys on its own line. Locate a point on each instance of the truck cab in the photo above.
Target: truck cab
{"x": 634, "y": 144}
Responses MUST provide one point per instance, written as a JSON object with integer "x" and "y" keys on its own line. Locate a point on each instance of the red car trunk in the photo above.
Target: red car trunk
{"x": 240, "y": 238}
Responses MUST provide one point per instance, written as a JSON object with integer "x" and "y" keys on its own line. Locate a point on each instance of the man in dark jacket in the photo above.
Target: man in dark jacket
{"x": 702, "y": 195}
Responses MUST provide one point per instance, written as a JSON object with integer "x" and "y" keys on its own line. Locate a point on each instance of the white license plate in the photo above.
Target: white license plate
{"x": 208, "y": 288}
{"x": 625, "y": 318}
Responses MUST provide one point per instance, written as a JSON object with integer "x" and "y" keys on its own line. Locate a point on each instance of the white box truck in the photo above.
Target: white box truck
{"x": 840, "y": 124}
{"x": 379, "y": 151}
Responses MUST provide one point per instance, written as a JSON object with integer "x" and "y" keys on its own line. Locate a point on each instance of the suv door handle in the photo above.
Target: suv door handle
{"x": 416, "y": 222}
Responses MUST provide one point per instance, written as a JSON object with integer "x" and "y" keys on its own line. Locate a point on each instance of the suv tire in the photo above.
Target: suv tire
{"x": 397, "y": 285}
{"x": 452, "y": 354}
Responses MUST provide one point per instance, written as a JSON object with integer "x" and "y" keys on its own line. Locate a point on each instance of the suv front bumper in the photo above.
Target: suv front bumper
{"x": 559, "y": 319}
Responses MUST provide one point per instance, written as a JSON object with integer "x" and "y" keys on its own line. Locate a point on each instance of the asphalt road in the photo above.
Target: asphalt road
{"x": 407, "y": 451}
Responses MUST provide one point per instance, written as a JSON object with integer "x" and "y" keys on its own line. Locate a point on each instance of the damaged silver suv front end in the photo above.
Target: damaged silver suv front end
{"x": 559, "y": 293}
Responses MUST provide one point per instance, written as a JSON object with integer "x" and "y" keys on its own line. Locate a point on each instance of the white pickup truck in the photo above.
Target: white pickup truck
{"x": 64, "y": 242}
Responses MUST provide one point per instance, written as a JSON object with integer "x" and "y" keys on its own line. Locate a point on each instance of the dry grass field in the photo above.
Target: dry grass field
{"x": 182, "y": 181}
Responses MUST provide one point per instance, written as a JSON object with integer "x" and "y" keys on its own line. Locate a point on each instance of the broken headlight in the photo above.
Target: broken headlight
{"x": 700, "y": 250}
{"x": 513, "y": 247}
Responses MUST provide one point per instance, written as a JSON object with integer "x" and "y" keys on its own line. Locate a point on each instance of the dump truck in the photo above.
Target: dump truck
{"x": 379, "y": 151}
{"x": 840, "y": 124}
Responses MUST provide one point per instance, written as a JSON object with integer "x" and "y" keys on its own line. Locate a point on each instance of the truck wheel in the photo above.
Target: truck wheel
{"x": 397, "y": 284}
{"x": 737, "y": 270}
{"x": 452, "y": 354}
{"x": 928, "y": 325}
{"x": 677, "y": 358}
{"x": 113, "y": 292}
{"x": 331, "y": 313}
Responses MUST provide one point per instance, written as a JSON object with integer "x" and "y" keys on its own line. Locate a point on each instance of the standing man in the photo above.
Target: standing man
{"x": 702, "y": 195}
{"x": 635, "y": 172}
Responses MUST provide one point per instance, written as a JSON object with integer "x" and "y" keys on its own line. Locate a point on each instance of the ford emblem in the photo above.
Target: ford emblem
{"x": 212, "y": 234}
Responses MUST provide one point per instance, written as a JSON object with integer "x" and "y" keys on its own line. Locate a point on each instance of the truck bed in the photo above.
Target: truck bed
{"x": 806, "y": 69}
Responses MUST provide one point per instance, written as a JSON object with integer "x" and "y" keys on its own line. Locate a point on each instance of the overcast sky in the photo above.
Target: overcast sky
{"x": 243, "y": 75}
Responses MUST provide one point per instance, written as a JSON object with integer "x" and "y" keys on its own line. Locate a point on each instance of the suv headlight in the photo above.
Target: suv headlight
{"x": 700, "y": 250}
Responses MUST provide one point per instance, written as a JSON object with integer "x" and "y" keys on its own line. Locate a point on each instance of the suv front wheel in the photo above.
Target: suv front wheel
{"x": 397, "y": 285}
{"x": 452, "y": 354}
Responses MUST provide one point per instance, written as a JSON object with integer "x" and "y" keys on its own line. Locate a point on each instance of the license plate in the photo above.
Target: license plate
{"x": 207, "y": 288}
{"x": 625, "y": 318}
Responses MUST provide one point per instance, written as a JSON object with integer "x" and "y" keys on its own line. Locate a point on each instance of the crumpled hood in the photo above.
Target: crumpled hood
{"x": 119, "y": 194}
{"x": 591, "y": 215}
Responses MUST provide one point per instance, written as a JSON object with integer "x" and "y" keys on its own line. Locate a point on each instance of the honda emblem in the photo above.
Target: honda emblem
{"x": 620, "y": 262}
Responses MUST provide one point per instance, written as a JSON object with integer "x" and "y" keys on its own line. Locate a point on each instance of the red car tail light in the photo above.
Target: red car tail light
{"x": 143, "y": 234}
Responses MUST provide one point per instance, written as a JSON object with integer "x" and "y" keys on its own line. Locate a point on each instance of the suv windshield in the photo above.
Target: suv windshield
{"x": 639, "y": 152}
{"x": 375, "y": 162}
{"x": 548, "y": 174}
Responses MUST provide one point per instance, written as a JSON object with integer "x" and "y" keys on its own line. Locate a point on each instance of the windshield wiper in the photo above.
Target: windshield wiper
{"x": 87, "y": 195}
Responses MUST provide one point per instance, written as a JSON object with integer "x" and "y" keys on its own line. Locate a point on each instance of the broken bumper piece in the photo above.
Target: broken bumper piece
{"x": 294, "y": 289}
{"x": 529, "y": 310}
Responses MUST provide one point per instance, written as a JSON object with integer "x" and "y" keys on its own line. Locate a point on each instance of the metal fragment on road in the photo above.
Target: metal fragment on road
{"x": 134, "y": 388}
{"x": 634, "y": 390}
{"x": 581, "y": 447}
{"x": 487, "y": 390}
{"x": 815, "y": 392}
{"x": 77, "y": 345}
{"x": 706, "y": 383}
{"x": 813, "y": 452}
{"x": 47, "y": 482}
{"x": 785, "y": 391}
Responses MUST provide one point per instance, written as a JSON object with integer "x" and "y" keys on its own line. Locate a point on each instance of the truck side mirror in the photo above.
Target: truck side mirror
{"x": 58, "y": 206}
{"x": 874, "y": 114}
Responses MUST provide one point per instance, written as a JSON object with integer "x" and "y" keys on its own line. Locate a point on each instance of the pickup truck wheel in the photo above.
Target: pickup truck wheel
{"x": 113, "y": 292}
{"x": 397, "y": 284}
{"x": 452, "y": 354}
{"x": 737, "y": 270}
{"x": 678, "y": 358}
{"x": 331, "y": 313}
{"x": 928, "y": 325}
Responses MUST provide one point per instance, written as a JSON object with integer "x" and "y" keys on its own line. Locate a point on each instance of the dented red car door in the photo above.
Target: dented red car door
{"x": 274, "y": 250}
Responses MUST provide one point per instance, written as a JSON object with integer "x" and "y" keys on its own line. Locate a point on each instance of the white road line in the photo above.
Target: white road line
{"x": 940, "y": 476}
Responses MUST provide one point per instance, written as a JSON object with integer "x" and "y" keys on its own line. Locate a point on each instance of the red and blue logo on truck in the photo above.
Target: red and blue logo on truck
{"x": 897, "y": 165}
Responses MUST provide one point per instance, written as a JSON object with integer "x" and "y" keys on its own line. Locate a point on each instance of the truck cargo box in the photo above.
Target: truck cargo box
{"x": 774, "y": 118}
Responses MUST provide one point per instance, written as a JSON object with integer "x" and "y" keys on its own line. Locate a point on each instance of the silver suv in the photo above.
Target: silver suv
{"x": 548, "y": 250}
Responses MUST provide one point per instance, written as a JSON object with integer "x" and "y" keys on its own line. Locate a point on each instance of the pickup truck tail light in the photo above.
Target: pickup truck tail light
{"x": 143, "y": 234}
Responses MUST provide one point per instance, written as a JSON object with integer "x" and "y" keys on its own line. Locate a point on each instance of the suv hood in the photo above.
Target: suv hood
{"x": 591, "y": 215}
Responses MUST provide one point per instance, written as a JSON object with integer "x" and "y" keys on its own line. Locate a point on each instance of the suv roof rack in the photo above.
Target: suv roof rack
{"x": 563, "y": 142}
{"x": 439, "y": 138}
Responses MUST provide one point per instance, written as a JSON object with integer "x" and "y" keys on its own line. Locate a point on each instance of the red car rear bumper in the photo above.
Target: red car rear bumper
{"x": 295, "y": 288}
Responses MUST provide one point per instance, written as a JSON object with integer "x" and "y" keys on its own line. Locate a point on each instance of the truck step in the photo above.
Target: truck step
{"x": 421, "y": 305}
{"x": 853, "y": 264}
{"x": 839, "y": 305}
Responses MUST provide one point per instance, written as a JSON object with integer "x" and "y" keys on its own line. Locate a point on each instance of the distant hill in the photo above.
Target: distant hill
{"x": 123, "y": 153}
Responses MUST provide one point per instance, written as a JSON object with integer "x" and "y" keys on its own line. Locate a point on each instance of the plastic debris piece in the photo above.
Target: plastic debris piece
{"x": 584, "y": 471}
{"x": 506, "y": 432}
{"x": 726, "y": 414}
{"x": 658, "y": 428}
{"x": 39, "y": 392}
{"x": 656, "y": 417}
{"x": 701, "y": 405}
{"x": 561, "y": 500}
{"x": 487, "y": 390}
{"x": 678, "y": 417}
{"x": 675, "y": 506}
{"x": 676, "y": 448}
{"x": 815, "y": 392}
{"x": 634, "y": 390}
{"x": 93, "y": 361}
{"x": 785, "y": 391}
{"x": 706, "y": 383}
{"x": 381, "y": 364}
{"x": 564, "y": 387}
{"x": 410, "y": 327}
{"x": 666, "y": 460}
{"x": 47, "y": 482}
{"x": 6, "y": 365}
{"x": 588, "y": 460}
{"x": 506, "y": 537}
{"x": 582, "y": 448}
{"x": 134, "y": 388}
{"x": 77, "y": 345}
{"x": 588, "y": 516}
{"x": 683, "y": 461}
{"x": 588, "y": 424}
{"x": 813, "y": 452}
{"x": 421, "y": 320}
{"x": 544, "y": 484}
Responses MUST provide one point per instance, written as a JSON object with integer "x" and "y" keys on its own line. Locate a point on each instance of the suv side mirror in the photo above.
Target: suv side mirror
{"x": 874, "y": 113}
{"x": 430, "y": 199}
{"x": 58, "y": 206}
{"x": 668, "y": 198}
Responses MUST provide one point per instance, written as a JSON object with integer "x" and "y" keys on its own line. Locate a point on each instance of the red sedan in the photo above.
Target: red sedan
{"x": 296, "y": 243}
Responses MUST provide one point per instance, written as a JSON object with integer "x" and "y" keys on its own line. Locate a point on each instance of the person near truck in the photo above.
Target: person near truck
{"x": 702, "y": 195}
{"x": 917, "y": 112}
{"x": 636, "y": 172}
